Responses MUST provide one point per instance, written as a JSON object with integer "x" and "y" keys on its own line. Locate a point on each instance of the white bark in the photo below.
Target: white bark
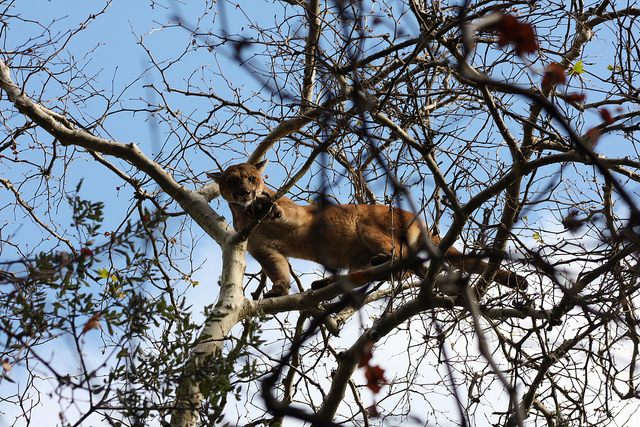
{"x": 231, "y": 309}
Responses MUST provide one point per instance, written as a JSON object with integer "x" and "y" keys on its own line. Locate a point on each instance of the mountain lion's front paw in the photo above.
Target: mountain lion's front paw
{"x": 264, "y": 202}
{"x": 277, "y": 290}
{"x": 321, "y": 283}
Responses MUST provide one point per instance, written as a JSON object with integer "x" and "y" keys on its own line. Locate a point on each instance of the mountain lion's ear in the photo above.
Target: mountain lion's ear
{"x": 262, "y": 165}
{"x": 214, "y": 176}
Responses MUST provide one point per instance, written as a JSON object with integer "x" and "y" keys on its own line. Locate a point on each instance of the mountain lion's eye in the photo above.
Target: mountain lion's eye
{"x": 252, "y": 179}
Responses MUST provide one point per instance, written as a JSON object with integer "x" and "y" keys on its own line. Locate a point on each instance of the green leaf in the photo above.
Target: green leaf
{"x": 103, "y": 272}
{"x": 577, "y": 68}
{"x": 205, "y": 388}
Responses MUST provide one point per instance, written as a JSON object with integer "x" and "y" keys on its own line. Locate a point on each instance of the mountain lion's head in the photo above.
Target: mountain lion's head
{"x": 240, "y": 184}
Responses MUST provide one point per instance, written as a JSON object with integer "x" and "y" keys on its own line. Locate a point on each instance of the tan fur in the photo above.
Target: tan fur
{"x": 337, "y": 236}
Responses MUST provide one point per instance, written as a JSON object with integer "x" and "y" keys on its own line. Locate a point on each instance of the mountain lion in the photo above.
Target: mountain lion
{"x": 337, "y": 236}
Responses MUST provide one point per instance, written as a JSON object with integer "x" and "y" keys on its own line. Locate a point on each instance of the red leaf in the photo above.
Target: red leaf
{"x": 606, "y": 116}
{"x": 92, "y": 323}
{"x": 372, "y": 411}
{"x": 592, "y": 136}
{"x": 86, "y": 252}
{"x": 576, "y": 97}
{"x": 364, "y": 355}
{"x": 553, "y": 75}
{"x": 375, "y": 378}
{"x": 520, "y": 34}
